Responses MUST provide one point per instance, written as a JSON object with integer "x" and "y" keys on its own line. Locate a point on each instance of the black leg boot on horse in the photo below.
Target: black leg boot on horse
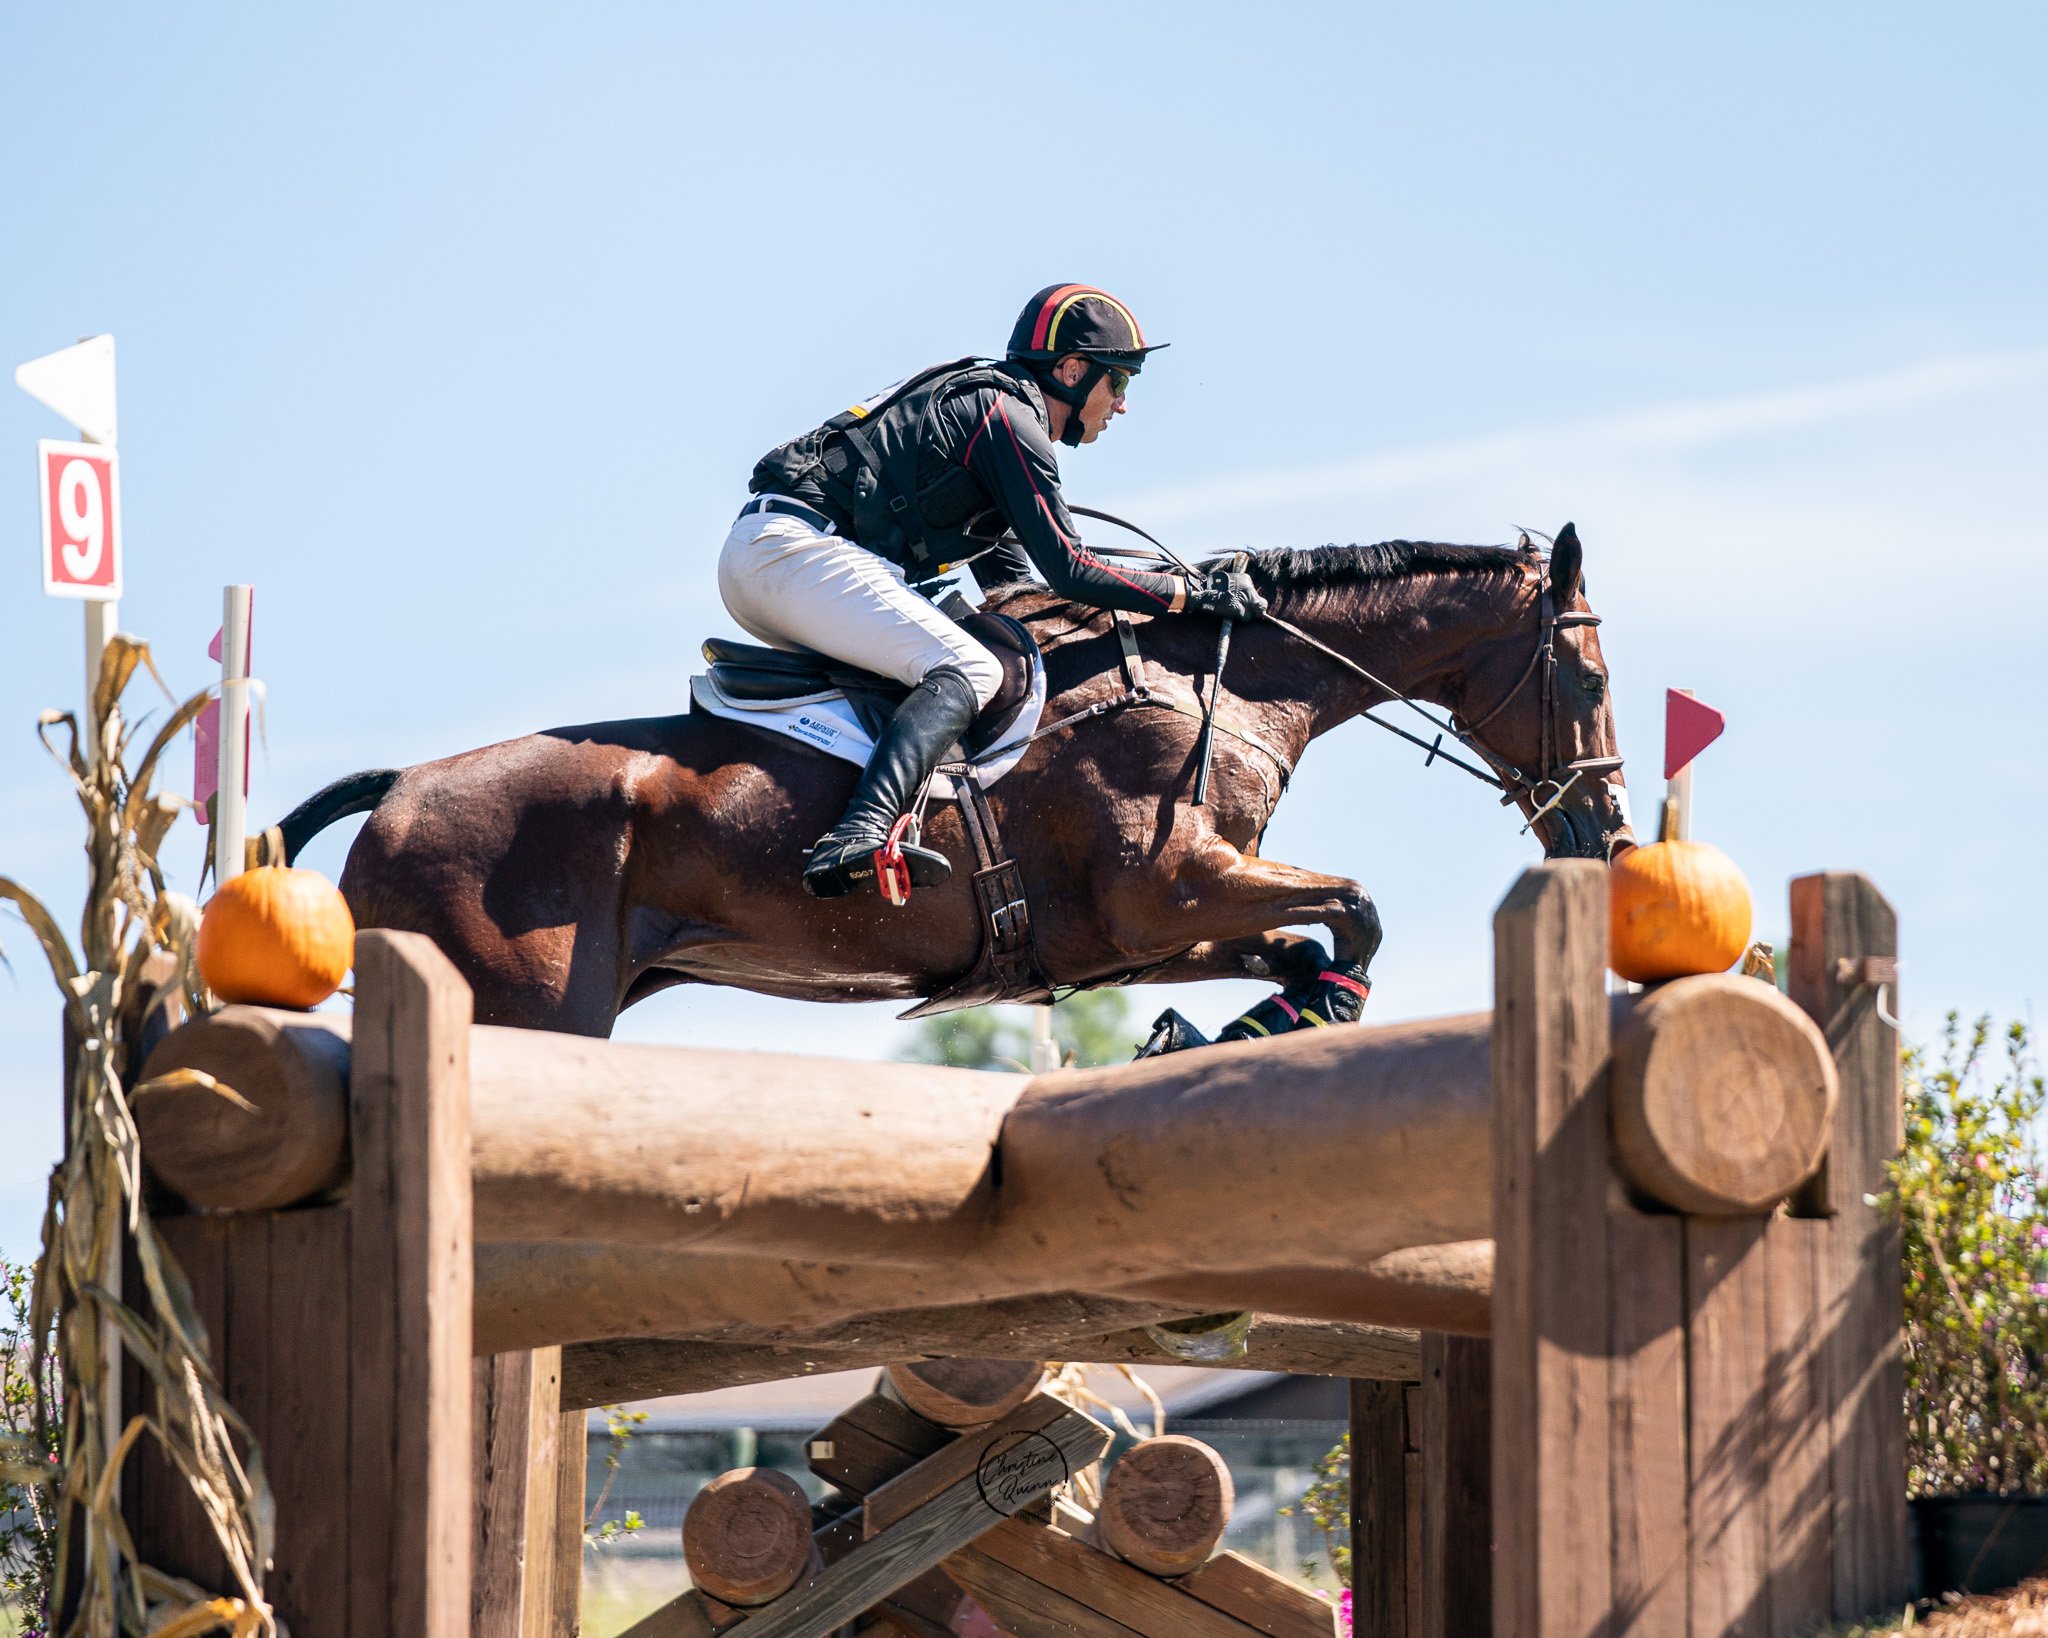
{"x": 1337, "y": 996}
{"x": 936, "y": 713}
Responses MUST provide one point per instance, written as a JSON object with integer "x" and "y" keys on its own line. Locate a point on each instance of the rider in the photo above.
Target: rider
{"x": 848, "y": 520}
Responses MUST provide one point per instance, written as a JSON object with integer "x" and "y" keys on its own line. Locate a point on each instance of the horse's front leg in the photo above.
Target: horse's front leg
{"x": 1231, "y": 906}
{"x": 1292, "y": 958}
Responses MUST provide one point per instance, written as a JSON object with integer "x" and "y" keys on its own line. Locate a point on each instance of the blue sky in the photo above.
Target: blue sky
{"x": 457, "y": 329}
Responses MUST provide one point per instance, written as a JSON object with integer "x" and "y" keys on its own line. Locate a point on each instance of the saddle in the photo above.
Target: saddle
{"x": 748, "y": 671}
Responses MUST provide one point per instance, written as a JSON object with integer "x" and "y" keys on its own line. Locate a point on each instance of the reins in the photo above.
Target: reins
{"x": 1544, "y": 792}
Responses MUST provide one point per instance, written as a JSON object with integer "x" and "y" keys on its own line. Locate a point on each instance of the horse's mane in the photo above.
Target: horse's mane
{"x": 1316, "y": 567}
{"x": 1276, "y": 569}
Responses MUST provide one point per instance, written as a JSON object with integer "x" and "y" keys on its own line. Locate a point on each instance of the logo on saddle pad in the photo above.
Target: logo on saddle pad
{"x": 817, "y": 730}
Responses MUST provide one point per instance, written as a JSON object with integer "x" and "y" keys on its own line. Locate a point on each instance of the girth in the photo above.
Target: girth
{"x": 1008, "y": 968}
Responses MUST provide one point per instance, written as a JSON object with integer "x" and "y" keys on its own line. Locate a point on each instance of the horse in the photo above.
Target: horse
{"x": 573, "y": 872}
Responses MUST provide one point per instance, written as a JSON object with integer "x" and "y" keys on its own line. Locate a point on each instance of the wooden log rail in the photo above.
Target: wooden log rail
{"x": 1340, "y": 1175}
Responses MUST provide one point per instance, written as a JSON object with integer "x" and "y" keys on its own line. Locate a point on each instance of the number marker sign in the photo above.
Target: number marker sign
{"x": 81, "y": 505}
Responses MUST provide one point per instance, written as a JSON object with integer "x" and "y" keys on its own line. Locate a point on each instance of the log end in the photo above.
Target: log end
{"x": 1723, "y": 1095}
{"x": 964, "y": 1393}
{"x": 1165, "y": 1505}
{"x": 291, "y": 1143}
{"x": 747, "y": 1536}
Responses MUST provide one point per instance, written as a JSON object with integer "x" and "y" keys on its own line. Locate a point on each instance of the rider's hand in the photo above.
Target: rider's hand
{"x": 1228, "y": 594}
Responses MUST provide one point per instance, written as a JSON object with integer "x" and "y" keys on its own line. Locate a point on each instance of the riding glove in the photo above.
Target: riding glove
{"x": 1228, "y": 594}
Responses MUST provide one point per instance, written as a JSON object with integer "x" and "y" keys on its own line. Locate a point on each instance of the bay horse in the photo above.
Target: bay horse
{"x": 571, "y": 873}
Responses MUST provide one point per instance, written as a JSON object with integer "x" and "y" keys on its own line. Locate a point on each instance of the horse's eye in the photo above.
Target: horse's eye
{"x": 1596, "y": 686}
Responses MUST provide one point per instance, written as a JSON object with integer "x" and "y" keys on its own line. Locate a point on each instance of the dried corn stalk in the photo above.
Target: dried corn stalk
{"x": 130, "y": 916}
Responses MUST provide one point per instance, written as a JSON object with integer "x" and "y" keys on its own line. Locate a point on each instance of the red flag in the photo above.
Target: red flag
{"x": 1689, "y": 728}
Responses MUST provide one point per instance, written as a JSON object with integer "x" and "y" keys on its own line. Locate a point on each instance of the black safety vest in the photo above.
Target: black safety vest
{"x": 866, "y": 461}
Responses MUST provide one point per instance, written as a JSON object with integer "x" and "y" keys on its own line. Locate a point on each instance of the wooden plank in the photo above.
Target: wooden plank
{"x": 1379, "y": 1509}
{"x": 1552, "y": 1513}
{"x": 175, "y": 1535}
{"x": 1026, "y": 1606}
{"x": 1728, "y": 1412}
{"x": 1456, "y": 1527}
{"x": 1007, "y": 1464}
{"x": 542, "y": 1512}
{"x": 682, "y": 1617}
{"x": 1840, "y": 917}
{"x": 1647, "y": 1429}
{"x": 925, "y": 1605}
{"x": 1106, "y": 1584}
{"x": 1411, "y": 1535}
{"x": 960, "y": 1459}
{"x": 410, "y": 1262}
{"x": 500, "y": 1485}
{"x": 858, "y": 1461}
{"x": 914, "y": 1522}
{"x": 895, "y": 1424}
{"x": 565, "y": 1582}
{"x": 1801, "y": 1490}
{"x": 306, "y": 1432}
{"x": 1261, "y": 1598}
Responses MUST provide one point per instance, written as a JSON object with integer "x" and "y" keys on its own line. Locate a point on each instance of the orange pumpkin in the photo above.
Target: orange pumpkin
{"x": 276, "y": 937}
{"x": 1676, "y": 908}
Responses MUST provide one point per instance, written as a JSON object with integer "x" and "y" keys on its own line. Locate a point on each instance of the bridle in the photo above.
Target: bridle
{"x": 1545, "y": 789}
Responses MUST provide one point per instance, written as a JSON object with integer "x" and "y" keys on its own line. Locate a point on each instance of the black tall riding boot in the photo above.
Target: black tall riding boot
{"x": 926, "y": 724}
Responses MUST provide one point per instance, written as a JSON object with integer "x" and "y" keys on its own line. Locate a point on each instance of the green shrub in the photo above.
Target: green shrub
{"x": 28, "y": 1522}
{"x": 1972, "y": 1202}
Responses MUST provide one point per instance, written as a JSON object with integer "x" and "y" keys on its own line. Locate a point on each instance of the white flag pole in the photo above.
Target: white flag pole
{"x": 78, "y": 383}
{"x": 102, "y": 620}
{"x": 231, "y": 800}
{"x": 1677, "y": 822}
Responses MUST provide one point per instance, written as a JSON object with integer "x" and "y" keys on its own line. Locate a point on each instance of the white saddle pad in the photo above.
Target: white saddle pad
{"x": 825, "y": 722}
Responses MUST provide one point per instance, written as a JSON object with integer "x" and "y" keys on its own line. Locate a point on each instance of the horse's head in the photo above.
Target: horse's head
{"x": 1534, "y": 698}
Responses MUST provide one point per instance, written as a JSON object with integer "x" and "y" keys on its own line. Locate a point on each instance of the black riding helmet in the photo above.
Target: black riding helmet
{"x": 1077, "y": 318}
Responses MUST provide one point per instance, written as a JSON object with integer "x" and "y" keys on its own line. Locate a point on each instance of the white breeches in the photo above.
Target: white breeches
{"x": 794, "y": 588}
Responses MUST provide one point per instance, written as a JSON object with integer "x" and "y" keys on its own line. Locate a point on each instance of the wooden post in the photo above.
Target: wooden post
{"x": 1379, "y": 1510}
{"x": 571, "y": 1484}
{"x": 341, "y": 1335}
{"x": 1457, "y": 1487}
{"x": 1553, "y": 1521}
{"x": 1845, "y": 945}
{"x": 518, "y": 1427}
{"x": 411, "y": 1258}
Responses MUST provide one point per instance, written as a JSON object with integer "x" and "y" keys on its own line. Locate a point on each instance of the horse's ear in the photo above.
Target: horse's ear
{"x": 1567, "y": 558}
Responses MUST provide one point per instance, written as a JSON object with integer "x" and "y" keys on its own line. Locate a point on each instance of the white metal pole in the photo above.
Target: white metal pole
{"x": 231, "y": 801}
{"x": 1045, "y": 1051}
{"x": 1677, "y": 824}
{"x": 102, "y": 620}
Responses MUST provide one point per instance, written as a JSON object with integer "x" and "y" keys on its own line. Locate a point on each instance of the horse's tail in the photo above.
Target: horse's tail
{"x": 354, "y": 793}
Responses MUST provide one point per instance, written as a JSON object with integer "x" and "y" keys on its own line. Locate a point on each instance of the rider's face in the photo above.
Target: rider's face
{"x": 1103, "y": 403}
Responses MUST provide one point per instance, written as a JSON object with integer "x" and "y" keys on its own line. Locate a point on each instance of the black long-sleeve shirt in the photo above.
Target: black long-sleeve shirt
{"x": 998, "y": 439}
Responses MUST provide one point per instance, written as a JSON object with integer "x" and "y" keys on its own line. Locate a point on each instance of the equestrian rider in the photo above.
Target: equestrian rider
{"x": 848, "y": 520}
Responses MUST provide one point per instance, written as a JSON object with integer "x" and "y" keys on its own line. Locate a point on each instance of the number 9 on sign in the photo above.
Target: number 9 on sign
{"x": 81, "y": 520}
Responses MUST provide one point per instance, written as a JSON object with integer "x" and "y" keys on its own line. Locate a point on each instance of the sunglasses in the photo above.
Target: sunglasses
{"x": 1119, "y": 381}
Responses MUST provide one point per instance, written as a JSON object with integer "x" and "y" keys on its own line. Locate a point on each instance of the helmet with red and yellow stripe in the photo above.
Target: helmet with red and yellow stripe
{"x": 1078, "y": 318}
{"x": 1063, "y": 320}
